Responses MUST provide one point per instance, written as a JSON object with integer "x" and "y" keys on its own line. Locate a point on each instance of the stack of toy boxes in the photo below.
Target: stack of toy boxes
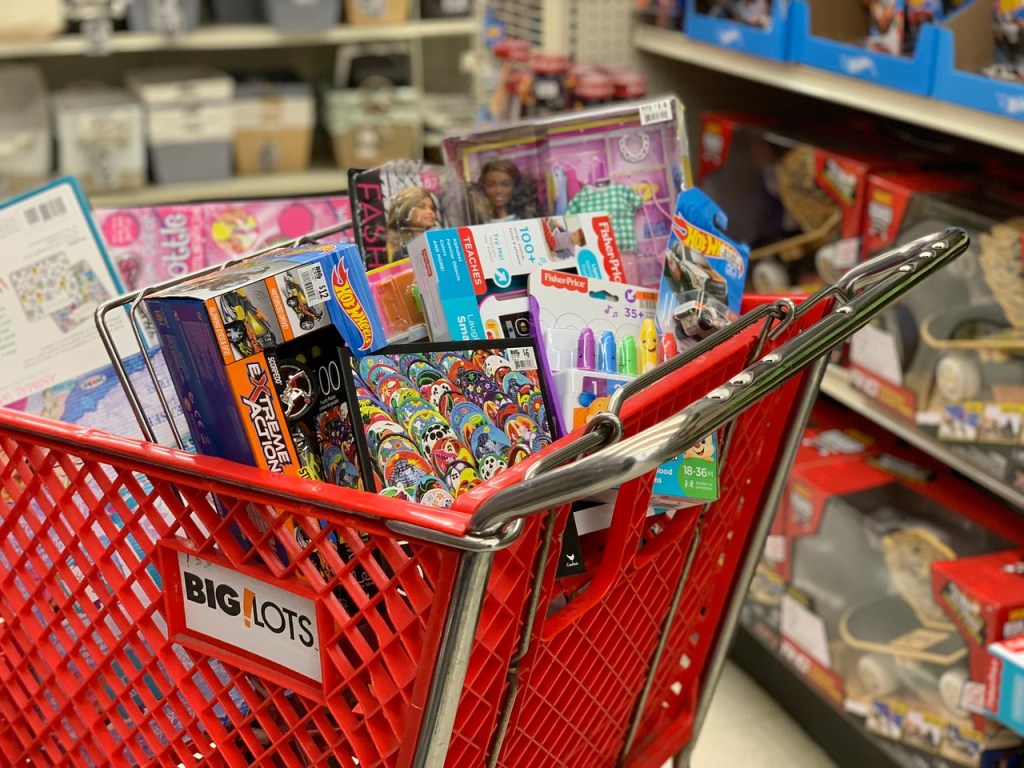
{"x": 948, "y": 356}
{"x": 984, "y": 597}
{"x": 797, "y": 201}
{"x": 266, "y": 335}
{"x": 858, "y": 619}
{"x": 833, "y": 435}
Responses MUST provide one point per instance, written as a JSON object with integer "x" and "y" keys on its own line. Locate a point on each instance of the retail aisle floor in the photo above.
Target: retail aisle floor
{"x": 747, "y": 727}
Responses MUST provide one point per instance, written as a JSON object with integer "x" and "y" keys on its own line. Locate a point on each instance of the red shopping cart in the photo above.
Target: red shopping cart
{"x": 158, "y": 609}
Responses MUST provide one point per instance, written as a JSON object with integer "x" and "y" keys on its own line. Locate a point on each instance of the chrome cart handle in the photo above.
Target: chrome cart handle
{"x": 888, "y": 277}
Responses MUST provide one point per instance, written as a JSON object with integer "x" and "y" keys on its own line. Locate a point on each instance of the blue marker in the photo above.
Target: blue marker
{"x": 606, "y": 357}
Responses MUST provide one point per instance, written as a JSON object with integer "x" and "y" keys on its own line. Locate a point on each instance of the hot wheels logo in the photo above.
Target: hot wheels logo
{"x": 351, "y": 305}
{"x": 265, "y": 423}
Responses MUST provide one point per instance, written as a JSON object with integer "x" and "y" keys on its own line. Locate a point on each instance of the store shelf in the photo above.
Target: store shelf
{"x": 244, "y": 37}
{"x": 966, "y": 123}
{"x": 840, "y": 736}
{"x": 837, "y": 386}
{"x": 318, "y": 181}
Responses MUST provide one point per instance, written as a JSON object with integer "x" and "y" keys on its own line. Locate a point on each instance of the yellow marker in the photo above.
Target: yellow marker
{"x": 648, "y": 345}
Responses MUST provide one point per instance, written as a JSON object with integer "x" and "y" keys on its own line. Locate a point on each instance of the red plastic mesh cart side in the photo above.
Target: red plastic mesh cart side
{"x": 408, "y": 635}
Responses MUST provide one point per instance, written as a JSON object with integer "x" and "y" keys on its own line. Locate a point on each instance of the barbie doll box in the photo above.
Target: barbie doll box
{"x": 456, "y": 269}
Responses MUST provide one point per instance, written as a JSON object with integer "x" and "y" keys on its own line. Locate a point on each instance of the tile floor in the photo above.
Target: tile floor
{"x": 746, "y": 726}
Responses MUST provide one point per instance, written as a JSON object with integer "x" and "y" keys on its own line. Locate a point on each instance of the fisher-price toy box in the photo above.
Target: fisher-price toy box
{"x": 765, "y": 32}
{"x": 830, "y": 35}
{"x": 858, "y": 619}
{"x": 1009, "y": 706}
{"x": 456, "y": 269}
{"x": 984, "y": 597}
{"x": 222, "y": 336}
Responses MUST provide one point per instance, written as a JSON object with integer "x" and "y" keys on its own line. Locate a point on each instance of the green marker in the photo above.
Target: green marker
{"x": 627, "y": 356}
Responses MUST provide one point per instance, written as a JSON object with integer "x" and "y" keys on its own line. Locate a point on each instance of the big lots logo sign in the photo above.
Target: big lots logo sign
{"x": 244, "y": 615}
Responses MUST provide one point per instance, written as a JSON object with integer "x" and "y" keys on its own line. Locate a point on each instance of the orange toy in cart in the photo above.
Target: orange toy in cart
{"x": 88, "y": 675}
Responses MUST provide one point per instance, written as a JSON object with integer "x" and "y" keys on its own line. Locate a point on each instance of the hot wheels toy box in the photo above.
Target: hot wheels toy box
{"x": 984, "y": 597}
{"x": 224, "y": 335}
{"x": 797, "y": 201}
{"x": 457, "y": 268}
{"x": 948, "y": 356}
{"x": 751, "y": 26}
{"x": 859, "y": 620}
{"x": 833, "y": 35}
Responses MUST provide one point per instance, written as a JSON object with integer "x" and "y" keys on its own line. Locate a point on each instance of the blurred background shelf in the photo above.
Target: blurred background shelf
{"x": 837, "y": 386}
{"x": 316, "y": 181}
{"x": 922, "y": 111}
{"x": 218, "y": 37}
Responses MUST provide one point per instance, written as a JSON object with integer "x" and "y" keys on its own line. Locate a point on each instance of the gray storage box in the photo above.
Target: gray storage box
{"x": 26, "y": 155}
{"x": 238, "y": 11}
{"x": 167, "y": 17}
{"x": 189, "y": 122}
{"x": 302, "y": 15}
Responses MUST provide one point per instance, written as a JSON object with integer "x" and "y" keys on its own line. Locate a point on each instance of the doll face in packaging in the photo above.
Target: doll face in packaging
{"x": 628, "y": 161}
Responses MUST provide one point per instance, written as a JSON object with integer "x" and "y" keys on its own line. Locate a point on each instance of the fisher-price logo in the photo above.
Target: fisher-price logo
{"x": 351, "y": 306}
{"x": 564, "y": 280}
{"x": 613, "y": 269}
{"x": 258, "y": 618}
{"x": 263, "y": 416}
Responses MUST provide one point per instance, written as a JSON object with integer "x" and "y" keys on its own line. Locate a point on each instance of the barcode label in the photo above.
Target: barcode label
{"x": 522, "y": 358}
{"x": 314, "y": 284}
{"x": 44, "y": 211}
{"x": 656, "y": 112}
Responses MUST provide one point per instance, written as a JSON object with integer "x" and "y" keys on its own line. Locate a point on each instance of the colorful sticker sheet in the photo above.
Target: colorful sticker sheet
{"x": 439, "y": 419}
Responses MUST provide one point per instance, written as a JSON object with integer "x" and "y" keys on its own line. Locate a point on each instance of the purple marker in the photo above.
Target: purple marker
{"x": 586, "y": 351}
{"x": 606, "y": 358}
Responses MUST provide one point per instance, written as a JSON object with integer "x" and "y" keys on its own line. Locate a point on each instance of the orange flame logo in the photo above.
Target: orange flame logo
{"x": 350, "y": 304}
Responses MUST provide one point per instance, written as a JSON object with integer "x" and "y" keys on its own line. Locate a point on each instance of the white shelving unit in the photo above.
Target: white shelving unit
{"x": 957, "y": 121}
{"x": 837, "y": 386}
{"x": 222, "y": 37}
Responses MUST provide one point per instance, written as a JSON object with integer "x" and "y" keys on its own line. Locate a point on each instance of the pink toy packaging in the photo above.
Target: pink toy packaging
{"x": 152, "y": 245}
{"x": 628, "y": 161}
{"x": 235, "y": 229}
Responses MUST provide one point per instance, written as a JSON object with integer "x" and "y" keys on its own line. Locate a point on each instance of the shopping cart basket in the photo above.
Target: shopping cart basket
{"x": 158, "y": 609}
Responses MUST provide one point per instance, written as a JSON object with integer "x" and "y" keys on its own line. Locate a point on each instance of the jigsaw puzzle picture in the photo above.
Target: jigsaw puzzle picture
{"x": 439, "y": 420}
{"x": 54, "y": 287}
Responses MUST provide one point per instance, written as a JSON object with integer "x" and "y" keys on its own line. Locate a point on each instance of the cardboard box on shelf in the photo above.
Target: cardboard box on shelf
{"x": 859, "y": 621}
{"x": 948, "y": 357}
{"x": 984, "y": 597}
{"x": 797, "y": 200}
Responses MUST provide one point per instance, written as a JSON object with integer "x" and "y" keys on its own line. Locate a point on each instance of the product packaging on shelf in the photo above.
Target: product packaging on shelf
{"x": 302, "y": 15}
{"x": 274, "y": 124}
{"x": 865, "y": 629}
{"x": 26, "y": 156}
{"x": 667, "y": 14}
{"x": 170, "y": 19}
{"x": 434, "y": 9}
{"x": 984, "y": 597}
{"x": 752, "y": 26}
{"x": 842, "y": 36}
{"x": 1009, "y": 706}
{"x": 457, "y": 269}
{"x": 189, "y": 121}
{"x": 226, "y": 337}
{"x": 628, "y": 160}
{"x": 368, "y": 127}
{"x": 946, "y": 357}
{"x": 100, "y": 138}
{"x": 377, "y": 11}
{"x": 979, "y": 59}
{"x": 24, "y": 22}
{"x": 798, "y": 202}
